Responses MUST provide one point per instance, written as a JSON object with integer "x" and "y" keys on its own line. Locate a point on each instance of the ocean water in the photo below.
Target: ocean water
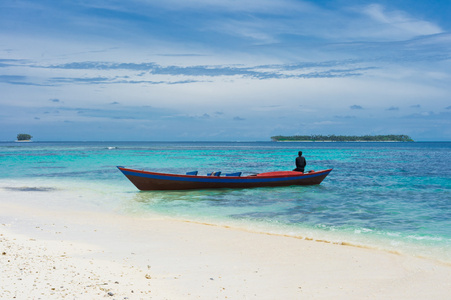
{"x": 389, "y": 196}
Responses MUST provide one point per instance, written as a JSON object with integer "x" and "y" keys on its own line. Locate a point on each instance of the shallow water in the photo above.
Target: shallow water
{"x": 393, "y": 196}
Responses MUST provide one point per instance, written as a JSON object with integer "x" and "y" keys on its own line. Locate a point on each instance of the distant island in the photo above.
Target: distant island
{"x": 342, "y": 138}
{"x": 23, "y": 137}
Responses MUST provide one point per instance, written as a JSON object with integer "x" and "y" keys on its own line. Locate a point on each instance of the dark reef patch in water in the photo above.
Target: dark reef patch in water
{"x": 29, "y": 189}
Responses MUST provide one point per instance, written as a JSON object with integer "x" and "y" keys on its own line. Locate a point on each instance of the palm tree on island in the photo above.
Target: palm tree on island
{"x": 23, "y": 137}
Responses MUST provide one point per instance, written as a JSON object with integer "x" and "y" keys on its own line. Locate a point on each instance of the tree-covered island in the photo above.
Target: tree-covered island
{"x": 23, "y": 137}
{"x": 342, "y": 138}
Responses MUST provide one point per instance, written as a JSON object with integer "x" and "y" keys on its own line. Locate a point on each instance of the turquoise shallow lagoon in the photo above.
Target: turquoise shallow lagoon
{"x": 391, "y": 196}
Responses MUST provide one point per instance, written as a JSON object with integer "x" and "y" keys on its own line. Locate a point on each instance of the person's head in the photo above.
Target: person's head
{"x": 300, "y": 153}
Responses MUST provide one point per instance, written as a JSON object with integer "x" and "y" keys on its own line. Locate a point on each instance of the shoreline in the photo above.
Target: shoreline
{"x": 85, "y": 254}
{"x": 125, "y": 201}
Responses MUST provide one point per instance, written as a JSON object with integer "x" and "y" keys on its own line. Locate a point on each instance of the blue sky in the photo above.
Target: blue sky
{"x": 179, "y": 70}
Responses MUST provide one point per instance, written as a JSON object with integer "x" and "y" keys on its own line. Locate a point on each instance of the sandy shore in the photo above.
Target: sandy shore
{"x": 54, "y": 254}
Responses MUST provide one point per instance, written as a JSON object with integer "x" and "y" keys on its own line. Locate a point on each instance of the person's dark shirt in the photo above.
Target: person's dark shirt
{"x": 300, "y": 164}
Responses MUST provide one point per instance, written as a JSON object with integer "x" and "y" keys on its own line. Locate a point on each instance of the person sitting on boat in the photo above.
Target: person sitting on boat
{"x": 300, "y": 163}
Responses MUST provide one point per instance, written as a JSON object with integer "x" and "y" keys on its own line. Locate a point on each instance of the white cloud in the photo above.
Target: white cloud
{"x": 400, "y": 21}
{"x": 248, "y": 29}
{"x": 247, "y": 6}
{"x": 322, "y": 123}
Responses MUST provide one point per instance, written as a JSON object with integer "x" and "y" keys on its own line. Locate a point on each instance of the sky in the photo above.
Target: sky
{"x": 229, "y": 70}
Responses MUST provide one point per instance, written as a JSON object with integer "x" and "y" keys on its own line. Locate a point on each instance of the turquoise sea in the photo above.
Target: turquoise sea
{"x": 390, "y": 196}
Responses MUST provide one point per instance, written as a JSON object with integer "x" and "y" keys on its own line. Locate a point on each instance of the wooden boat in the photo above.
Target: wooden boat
{"x": 147, "y": 181}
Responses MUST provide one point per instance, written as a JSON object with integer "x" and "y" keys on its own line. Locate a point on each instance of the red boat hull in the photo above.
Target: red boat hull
{"x": 147, "y": 181}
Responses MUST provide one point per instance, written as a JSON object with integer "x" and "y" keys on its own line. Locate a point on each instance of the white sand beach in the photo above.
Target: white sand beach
{"x": 67, "y": 254}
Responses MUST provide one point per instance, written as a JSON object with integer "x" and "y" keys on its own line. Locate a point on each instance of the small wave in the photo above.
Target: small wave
{"x": 425, "y": 238}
